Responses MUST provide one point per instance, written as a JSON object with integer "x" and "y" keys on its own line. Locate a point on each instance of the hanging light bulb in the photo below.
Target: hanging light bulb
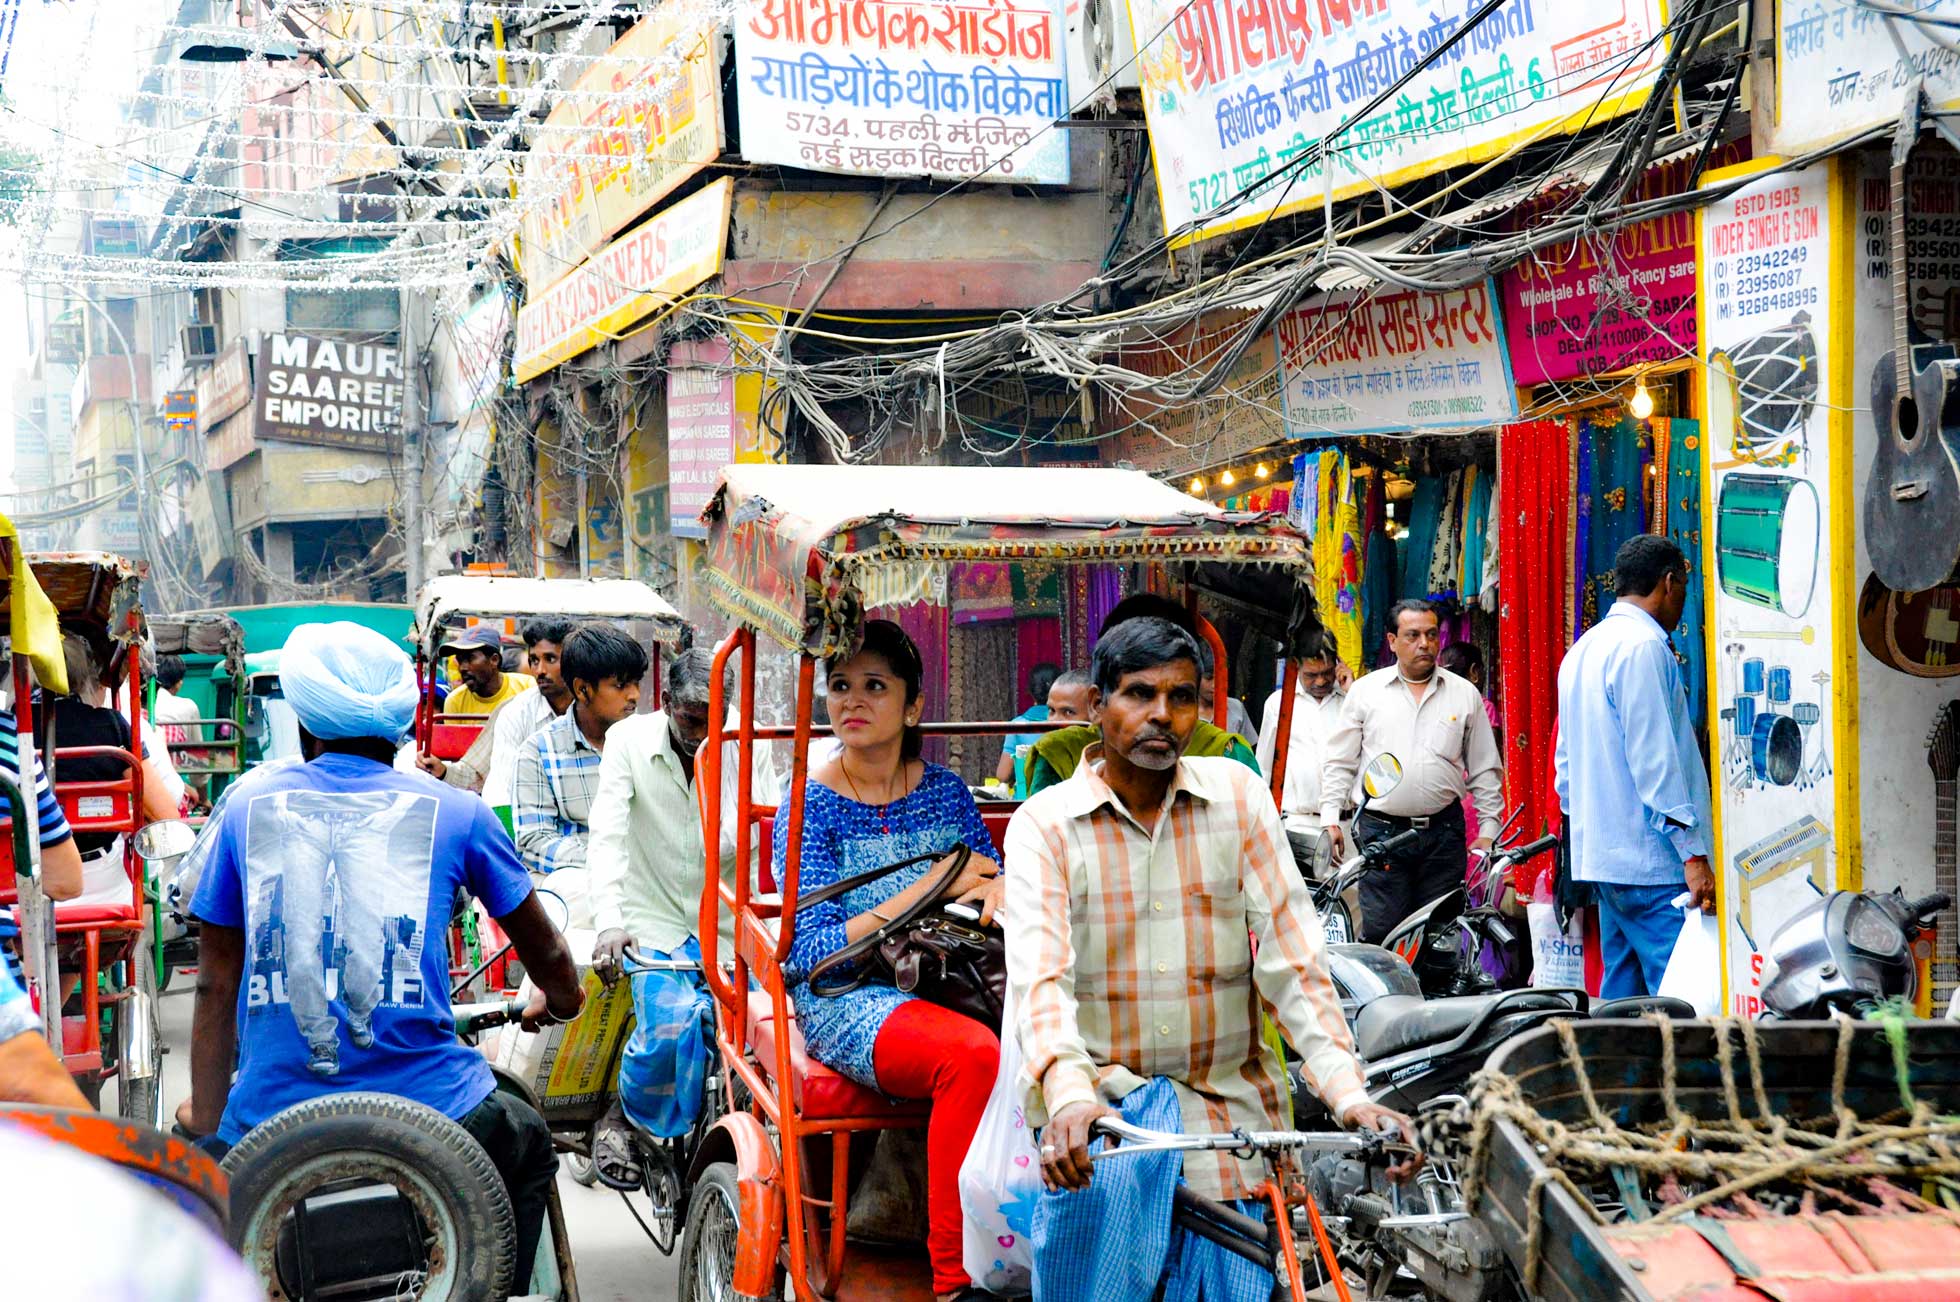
{"x": 1263, "y": 470}
{"x": 1228, "y": 479}
{"x": 1197, "y": 483}
{"x": 1642, "y": 403}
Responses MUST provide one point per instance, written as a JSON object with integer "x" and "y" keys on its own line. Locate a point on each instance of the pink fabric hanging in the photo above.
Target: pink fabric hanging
{"x": 1534, "y": 560}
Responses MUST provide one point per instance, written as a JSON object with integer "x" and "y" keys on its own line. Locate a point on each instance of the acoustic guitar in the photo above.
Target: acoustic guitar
{"x": 1912, "y": 502}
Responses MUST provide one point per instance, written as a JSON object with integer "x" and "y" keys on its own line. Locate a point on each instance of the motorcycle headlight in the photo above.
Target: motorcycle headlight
{"x": 1873, "y": 931}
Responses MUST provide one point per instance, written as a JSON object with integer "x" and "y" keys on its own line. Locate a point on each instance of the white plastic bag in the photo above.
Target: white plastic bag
{"x": 1558, "y": 954}
{"x": 1694, "y": 970}
{"x": 1000, "y": 1180}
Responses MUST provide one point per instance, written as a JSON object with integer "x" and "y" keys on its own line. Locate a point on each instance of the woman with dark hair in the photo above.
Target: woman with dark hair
{"x": 876, "y": 802}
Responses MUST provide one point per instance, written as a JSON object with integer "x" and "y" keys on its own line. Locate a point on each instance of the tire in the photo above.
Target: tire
{"x": 582, "y": 1169}
{"x": 708, "y": 1248}
{"x": 436, "y": 1164}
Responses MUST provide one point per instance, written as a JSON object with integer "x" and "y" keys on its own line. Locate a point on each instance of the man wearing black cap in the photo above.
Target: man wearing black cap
{"x": 479, "y": 652}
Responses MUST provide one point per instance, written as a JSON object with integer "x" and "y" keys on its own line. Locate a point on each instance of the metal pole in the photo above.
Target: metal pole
{"x": 412, "y": 511}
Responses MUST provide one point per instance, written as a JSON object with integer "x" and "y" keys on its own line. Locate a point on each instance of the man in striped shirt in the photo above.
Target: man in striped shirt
{"x": 557, "y": 771}
{"x": 61, "y": 859}
{"x": 1151, "y": 910}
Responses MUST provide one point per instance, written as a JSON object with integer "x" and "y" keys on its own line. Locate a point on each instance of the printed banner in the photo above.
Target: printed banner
{"x": 1564, "y": 306}
{"x": 700, "y": 428}
{"x": 1842, "y": 67}
{"x": 224, "y": 386}
{"x": 1367, "y": 363}
{"x": 962, "y": 91}
{"x": 644, "y": 269}
{"x": 1236, "y": 90}
{"x": 601, "y": 159}
{"x": 328, "y": 391}
{"x": 1778, "y": 489}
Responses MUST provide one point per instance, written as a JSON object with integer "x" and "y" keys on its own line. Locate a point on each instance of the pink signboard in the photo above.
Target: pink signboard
{"x": 1606, "y": 303}
{"x": 700, "y": 428}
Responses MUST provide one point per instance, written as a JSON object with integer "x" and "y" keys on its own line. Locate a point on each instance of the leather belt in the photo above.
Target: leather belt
{"x": 1409, "y": 820}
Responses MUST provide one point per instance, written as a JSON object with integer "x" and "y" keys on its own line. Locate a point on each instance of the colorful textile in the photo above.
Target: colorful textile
{"x": 1038, "y": 641}
{"x": 1476, "y": 525}
{"x": 464, "y": 700}
{"x": 841, "y": 838}
{"x": 1617, "y": 509}
{"x": 1135, "y": 952}
{"x": 1676, "y": 514}
{"x": 34, "y": 627}
{"x": 1533, "y": 488}
{"x": 982, "y": 592}
{"x": 1337, "y": 555}
{"x": 1425, "y": 517}
{"x": 1493, "y": 544}
{"x": 1380, "y": 576}
{"x": 556, "y": 778}
{"x": 1115, "y": 1242}
{"x": 662, "y": 1071}
{"x": 1448, "y": 546}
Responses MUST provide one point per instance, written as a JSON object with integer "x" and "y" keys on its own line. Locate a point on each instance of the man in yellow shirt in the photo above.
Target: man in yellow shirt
{"x": 479, "y": 652}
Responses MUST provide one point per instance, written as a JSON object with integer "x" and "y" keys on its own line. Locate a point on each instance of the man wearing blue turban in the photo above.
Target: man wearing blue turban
{"x": 325, "y": 895}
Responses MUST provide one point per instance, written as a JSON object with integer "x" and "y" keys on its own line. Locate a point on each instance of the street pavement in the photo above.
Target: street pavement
{"x": 615, "y": 1260}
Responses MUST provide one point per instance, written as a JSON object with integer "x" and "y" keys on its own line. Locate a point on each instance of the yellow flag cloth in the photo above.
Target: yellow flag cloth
{"x": 36, "y": 629}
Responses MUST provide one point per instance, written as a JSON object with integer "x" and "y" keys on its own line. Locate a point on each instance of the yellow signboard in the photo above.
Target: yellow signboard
{"x": 641, "y": 271}
{"x": 643, "y": 118}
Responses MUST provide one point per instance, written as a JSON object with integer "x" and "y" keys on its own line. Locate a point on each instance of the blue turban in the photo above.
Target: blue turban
{"x": 346, "y": 680}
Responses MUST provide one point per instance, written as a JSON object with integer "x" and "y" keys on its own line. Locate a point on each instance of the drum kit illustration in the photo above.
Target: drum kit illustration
{"x": 1774, "y": 740}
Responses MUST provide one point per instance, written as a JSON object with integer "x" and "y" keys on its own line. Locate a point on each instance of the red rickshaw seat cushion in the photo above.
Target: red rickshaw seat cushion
{"x": 818, "y": 1093}
{"x": 81, "y": 916}
{"x": 449, "y": 741}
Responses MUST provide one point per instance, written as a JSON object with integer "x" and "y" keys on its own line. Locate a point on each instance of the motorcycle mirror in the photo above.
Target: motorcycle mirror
{"x": 1323, "y": 855}
{"x": 1383, "y": 775}
{"x": 166, "y": 839}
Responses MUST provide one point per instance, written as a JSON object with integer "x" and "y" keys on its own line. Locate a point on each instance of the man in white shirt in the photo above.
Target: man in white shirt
{"x": 171, "y": 712}
{"x": 1434, "y": 723}
{"x": 648, "y": 864}
{"x": 1317, "y": 703}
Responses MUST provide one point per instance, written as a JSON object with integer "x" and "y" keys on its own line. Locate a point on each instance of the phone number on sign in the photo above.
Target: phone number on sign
{"x": 1466, "y": 405}
{"x": 1782, "y": 301}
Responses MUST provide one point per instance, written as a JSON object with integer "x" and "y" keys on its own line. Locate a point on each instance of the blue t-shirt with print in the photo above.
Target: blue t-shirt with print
{"x": 342, "y": 872}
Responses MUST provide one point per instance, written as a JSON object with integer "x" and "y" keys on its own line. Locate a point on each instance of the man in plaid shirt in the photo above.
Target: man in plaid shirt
{"x": 1152, "y": 909}
{"x": 558, "y": 768}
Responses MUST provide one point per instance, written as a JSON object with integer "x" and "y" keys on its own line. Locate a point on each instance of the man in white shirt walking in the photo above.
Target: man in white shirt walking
{"x": 1434, "y": 723}
{"x": 648, "y": 866}
{"x": 1317, "y": 704}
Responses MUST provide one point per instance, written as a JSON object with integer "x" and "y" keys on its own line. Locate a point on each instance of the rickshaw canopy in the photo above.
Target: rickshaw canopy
{"x": 452, "y": 598}
{"x": 93, "y": 592}
{"x": 204, "y": 633}
{"x": 801, "y": 552}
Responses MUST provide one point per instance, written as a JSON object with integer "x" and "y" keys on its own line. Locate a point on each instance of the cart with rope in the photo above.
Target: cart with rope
{"x": 799, "y": 554}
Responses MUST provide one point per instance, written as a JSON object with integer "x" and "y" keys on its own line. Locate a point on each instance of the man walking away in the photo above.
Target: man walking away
{"x": 1434, "y": 723}
{"x": 1629, "y": 774}
{"x": 558, "y": 768}
{"x": 1317, "y": 704}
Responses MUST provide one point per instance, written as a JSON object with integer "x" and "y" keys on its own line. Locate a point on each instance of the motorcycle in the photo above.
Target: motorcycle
{"x": 1464, "y": 942}
{"x": 1847, "y": 953}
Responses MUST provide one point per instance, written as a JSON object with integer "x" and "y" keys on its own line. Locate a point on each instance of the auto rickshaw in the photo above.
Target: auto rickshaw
{"x": 800, "y": 553}
{"x": 97, "y": 952}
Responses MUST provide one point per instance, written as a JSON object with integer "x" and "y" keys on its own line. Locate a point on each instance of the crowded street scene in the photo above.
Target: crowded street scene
{"x": 950, "y": 650}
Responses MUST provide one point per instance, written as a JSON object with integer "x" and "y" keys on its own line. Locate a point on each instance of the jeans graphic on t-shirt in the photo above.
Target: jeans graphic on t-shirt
{"x": 341, "y": 886}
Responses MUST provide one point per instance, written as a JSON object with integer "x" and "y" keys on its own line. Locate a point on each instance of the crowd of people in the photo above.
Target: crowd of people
{"x": 1152, "y": 895}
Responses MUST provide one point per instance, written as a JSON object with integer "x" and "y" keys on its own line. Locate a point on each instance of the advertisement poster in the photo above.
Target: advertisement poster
{"x": 641, "y": 271}
{"x": 1781, "y": 529}
{"x": 940, "y": 88}
{"x": 224, "y": 386}
{"x": 642, "y": 118}
{"x": 1237, "y": 90}
{"x": 1565, "y": 306}
{"x": 328, "y": 391}
{"x": 1368, "y": 363}
{"x": 1842, "y": 66}
{"x": 700, "y": 428}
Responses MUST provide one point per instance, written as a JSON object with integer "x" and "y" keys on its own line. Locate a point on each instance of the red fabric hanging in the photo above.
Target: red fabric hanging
{"x": 1040, "y": 643}
{"x": 1534, "y": 565}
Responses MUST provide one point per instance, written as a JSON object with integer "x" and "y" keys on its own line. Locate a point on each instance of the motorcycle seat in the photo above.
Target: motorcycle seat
{"x": 1396, "y": 1024}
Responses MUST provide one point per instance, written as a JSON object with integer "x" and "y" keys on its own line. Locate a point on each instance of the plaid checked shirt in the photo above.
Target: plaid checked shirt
{"x": 1131, "y": 955}
{"x": 551, "y": 795}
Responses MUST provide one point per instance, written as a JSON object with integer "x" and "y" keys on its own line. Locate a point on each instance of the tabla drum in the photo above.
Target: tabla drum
{"x": 1779, "y": 685}
{"x": 1752, "y": 676}
{"x": 1767, "y": 531}
{"x": 1745, "y": 716}
{"x": 1776, "y": 749}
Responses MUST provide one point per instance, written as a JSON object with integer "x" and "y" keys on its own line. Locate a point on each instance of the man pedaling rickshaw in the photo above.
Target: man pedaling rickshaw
{"x": 324, "y": 897}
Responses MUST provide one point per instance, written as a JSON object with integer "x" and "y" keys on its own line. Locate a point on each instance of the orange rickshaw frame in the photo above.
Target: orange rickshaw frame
{"x": 792, "y": 551}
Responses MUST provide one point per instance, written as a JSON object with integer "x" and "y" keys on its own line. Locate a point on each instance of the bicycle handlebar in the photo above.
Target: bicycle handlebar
{"x": 639, "y": 962}
{"x": 473, "y": 1018}
{"x": 1136, "y": 1140}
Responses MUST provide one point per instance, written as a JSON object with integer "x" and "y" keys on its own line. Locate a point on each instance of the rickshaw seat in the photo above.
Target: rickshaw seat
{"x": 819, "y": 1093}
{"x": 450, "y": 741}
{"x": 81, "y": 917}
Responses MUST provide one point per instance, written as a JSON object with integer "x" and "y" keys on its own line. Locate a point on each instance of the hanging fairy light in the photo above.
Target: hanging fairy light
{"x": 1263, "y": 470}
{"x": 1228, "y": 479}
{"x": 1197, "y": 483}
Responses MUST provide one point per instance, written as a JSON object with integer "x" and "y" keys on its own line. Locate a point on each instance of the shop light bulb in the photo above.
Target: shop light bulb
{"x": 1263, "y": 470}
{"x": 1198, "y": 484}
{"x": 1642, "y": 405}
{"x": 1228, "y": 479}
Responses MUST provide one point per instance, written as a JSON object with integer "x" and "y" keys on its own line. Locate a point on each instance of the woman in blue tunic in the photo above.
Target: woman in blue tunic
{"x": 876, "y": 802}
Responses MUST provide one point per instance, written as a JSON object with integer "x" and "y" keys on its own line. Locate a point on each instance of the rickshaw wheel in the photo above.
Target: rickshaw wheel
{"x": 581, "y": 1168}
{"x": 709, "y": 1245}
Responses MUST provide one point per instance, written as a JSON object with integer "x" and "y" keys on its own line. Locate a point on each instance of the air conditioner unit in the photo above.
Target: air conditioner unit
{"x": 200, "y": 343}
{"x": 1101, "y": 52}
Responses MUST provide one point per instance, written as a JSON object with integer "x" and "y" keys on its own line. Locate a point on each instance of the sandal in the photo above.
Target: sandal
{"x": 613, "y": 1158}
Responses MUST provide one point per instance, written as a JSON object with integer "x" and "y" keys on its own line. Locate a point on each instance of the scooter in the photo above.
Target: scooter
{"x": 1847, "y": 953}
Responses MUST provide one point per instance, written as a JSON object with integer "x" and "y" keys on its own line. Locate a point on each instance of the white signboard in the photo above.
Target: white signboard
{"x": 1365, "y": 363}
{"x": 1236, "y": 90}
{"x": 942, "y": 88}
{"x": 1842, "y": 67}
{"x": 1779, "y": 492}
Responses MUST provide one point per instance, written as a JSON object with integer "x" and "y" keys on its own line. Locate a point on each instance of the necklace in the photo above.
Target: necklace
{"x": 884, "y": 810}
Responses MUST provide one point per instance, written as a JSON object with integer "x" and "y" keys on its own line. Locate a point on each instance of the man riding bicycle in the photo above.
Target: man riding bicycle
{"x": 325, "y": 897}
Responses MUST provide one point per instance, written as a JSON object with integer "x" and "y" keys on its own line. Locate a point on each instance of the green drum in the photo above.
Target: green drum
{"x": 1767, "y": 532}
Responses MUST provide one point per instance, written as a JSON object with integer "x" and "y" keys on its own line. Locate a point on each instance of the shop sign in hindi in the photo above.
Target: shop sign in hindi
{"x": 644, "y": 117}
{"x": 700, "y": 428}
{"x": 1237, "y": 91}
{"x": 224, "y": 386}
{"x": 1842, "y": 67}
{"x": 957, "y": 89}
{"x": 1364, "y": 363}
{"x": 329, "y": 391}
{"x": 638, "y": 273}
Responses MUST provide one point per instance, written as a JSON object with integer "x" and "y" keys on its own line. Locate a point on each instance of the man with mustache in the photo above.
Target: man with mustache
{"x": 1152, "y": 910}
{"x": 1434, "y": 722}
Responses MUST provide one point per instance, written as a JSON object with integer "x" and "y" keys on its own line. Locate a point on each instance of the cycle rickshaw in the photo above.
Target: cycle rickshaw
{"x": 105, "y": 1024}
{"x": 799, "y": 554}
{"x": 212, "y": 646}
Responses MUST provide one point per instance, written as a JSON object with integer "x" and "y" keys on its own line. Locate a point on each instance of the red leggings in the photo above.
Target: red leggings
{"x": 924, "y": 1051}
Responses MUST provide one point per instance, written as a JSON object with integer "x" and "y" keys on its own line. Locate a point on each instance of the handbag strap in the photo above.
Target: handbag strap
{"x": 960, "y": 856}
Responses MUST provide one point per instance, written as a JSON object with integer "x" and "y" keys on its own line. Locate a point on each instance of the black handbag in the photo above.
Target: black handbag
{"x": 922, "y": 951}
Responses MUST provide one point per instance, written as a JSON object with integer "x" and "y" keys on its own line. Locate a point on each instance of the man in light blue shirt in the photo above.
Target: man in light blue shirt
{"x": 1630, "y": 777}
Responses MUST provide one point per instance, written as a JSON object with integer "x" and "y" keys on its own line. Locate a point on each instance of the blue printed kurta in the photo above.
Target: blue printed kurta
{"x": 841, "y": 838}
